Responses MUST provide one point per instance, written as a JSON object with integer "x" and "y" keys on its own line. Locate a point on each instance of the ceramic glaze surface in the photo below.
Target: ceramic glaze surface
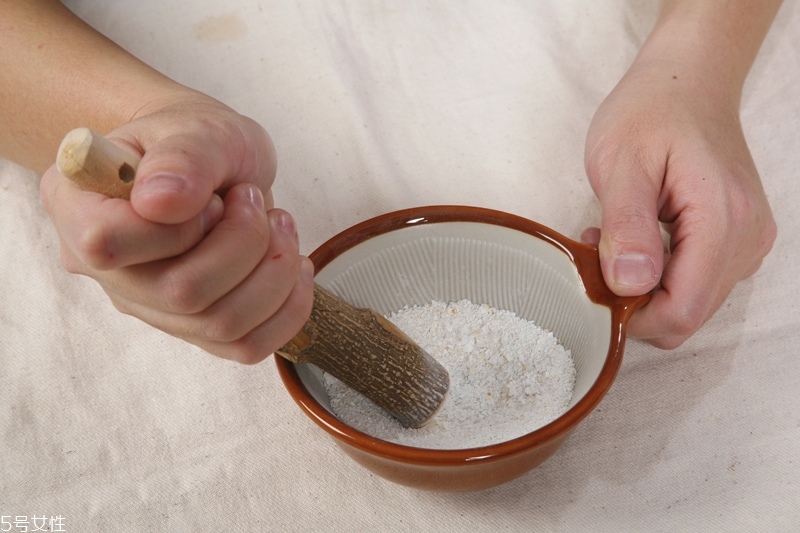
{"x": 449, "y": 253}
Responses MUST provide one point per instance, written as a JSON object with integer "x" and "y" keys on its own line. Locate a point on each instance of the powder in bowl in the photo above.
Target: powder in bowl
{"x": 508, "y": 377}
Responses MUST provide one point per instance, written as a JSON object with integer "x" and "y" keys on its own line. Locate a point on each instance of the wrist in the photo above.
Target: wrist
{"x": 707, "y": 47}
{"x": 176, "y": 97}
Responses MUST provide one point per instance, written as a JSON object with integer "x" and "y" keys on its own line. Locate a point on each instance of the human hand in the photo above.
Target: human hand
{"x": 667, "y": 146}
{"x": 198, "y": 252}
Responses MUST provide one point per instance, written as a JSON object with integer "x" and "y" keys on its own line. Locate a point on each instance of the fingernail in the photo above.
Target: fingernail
{"x": 163, "y": 183}
{"x": 285, "y": 223}
{"x": 634, "y": 271}
{"x": 211, "y": 214}
{"x": 255, "y": 198}
{"x": 307, "y": 271}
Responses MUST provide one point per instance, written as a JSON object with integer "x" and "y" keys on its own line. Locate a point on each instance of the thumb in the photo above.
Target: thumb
{"x": 179, "y": 174}
{"x": 631, "y": 250}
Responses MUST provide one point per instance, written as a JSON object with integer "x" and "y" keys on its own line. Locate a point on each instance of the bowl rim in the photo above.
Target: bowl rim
{"x": 587, "y": 262}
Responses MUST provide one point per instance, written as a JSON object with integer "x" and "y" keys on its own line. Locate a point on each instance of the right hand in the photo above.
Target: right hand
{"x": 661, "y": 150}
{"x": 198, "y": 252}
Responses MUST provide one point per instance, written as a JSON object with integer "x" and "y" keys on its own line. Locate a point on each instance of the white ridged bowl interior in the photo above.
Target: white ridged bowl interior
{"x": 484, "y": 263}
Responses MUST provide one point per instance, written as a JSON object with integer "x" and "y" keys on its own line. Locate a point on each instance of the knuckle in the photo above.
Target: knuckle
{"x": 767, "y": 238}
{"x": 94, "y": 247}
{"x": 688, "y": 321}
{"x": 182, "y": 292}
{"x": 614, "y": 155}
{"x": 742, "y": 213}
{"x": 68, "y": 261}
{"x": 627, "y": 216}
{"x": 246, "y": 352}
{"x": 749, "y": 219}
{"x": 668, "y": 343}
{"x": 224, "y": 327}
{"x": 632, "y": 227}
{"x": 120, "y": 306}
{"x": 600, "y": 162}
{"x": 259, "y": 150}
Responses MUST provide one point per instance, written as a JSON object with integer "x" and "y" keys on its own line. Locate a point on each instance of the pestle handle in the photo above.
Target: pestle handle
{"x": 96, "y": 164}
{"x": 358, "y": 346}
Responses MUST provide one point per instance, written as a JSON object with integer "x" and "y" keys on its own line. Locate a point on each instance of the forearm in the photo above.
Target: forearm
{"x": 57, "y": 73}
{"x": 710, "y": 44}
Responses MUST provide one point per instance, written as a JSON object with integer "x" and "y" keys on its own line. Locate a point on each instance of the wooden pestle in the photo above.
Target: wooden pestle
{"x": 358, "y": 346}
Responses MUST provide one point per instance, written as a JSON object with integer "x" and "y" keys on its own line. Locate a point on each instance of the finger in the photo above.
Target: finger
{"x": 275, "y": 332}
{"x": 178, "y": 173}
{"x": 691, "y": 291}
{"x": 106, "y": 233}
{"x": 267, "y": 337}
{"x": 630, "y": 246}
{"x": 591, "y": 236}
{"x": 668, "y": 343}
{"x": 754, "y": 267}
{"x": 193, "y": 281}
{"x": 249, "y": 304}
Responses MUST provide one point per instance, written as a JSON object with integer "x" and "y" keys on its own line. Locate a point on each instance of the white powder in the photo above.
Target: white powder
{"x": 508, "y": 377}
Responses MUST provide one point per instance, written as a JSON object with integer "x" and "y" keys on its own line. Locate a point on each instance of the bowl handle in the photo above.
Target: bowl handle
{"x": 587, "y": 261}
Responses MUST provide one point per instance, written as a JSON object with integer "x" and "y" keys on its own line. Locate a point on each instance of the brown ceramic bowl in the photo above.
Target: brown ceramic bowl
{"x": 449, "y": 253}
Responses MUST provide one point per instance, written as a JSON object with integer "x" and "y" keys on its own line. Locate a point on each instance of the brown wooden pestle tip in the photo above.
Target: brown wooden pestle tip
{"x": 358, "y": 346}
{"x": 367, "y": 352}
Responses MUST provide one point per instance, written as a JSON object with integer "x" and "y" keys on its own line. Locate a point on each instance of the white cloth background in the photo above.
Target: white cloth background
{"x": 376, "y": 106}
